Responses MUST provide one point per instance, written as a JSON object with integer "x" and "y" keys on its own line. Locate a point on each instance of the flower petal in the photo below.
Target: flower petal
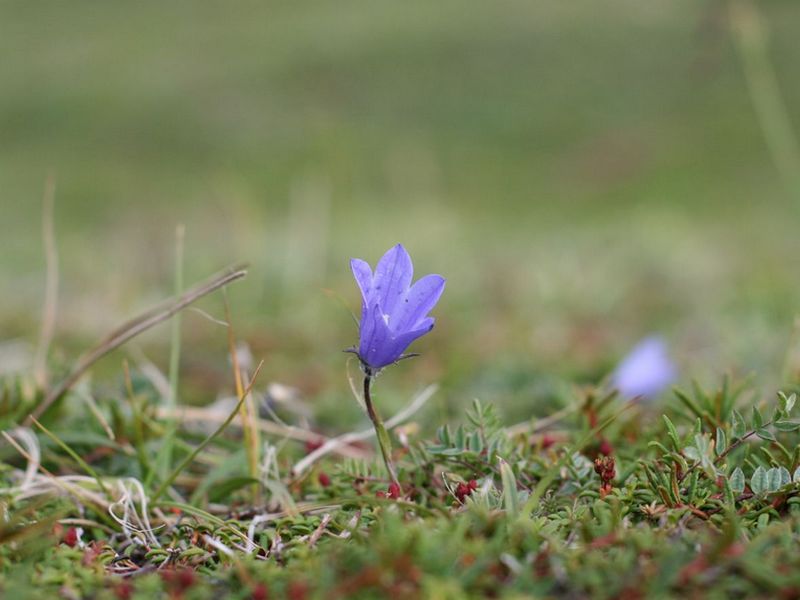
{"x": 367, "y": 331}
{"x": 646, "y": 371}
{"x": 363, "y": 274}
{"x": 404, "y": 340}
{"x": 392, "y": 278}
{"x": 417, "y": 303}
{"x": 379, "y": 345}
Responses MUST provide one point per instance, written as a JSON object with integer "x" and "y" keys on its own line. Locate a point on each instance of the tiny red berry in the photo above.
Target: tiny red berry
{"x": 394, "y": 491}
{"x": 71, "y": 537}
{"x": 465, "y": 489}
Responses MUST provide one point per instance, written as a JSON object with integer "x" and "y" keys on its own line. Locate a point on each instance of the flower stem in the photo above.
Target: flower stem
{"x": 383, "y": 436}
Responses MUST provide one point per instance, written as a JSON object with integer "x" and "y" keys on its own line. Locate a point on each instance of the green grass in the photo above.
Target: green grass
{"x": 606, "y": 501}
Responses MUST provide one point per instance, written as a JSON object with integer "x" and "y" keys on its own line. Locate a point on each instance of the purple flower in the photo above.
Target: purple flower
{"x": 394, "y": 313}
{"x": 646, "y": 371}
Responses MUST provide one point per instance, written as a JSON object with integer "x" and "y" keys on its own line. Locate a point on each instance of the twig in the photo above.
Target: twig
{"x": 323, "y": 524}
{"x": 130, "y": 330}
{"x": 217, "y": 545}
{"x": 348, "y": 438}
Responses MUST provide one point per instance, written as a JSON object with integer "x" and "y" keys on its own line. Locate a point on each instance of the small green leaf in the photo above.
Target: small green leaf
{"x": 703, "y": 444}
{"x": 765, "y": 434}
{"x": 721, "y": 442}
{"x": 728, "y": 492}
{"x": 460, "y": 440}
{"x": 510, "y": 496}
{"x": 782, "y": 400}
{"x": 774, "y": 479}
{"x": 692, "y": 488}
{"x": 738, "y": 426}
{"x": 758, "y": 420}
{"x": 672, "y": 433}
{"x": 443, "y": 435}
{"x": 692, "y": 453}
{"x": 786, "y": 425}
{"x": 758, "y": 483}
{"x": 736, "y": 480}
{"x": 786, "y": 479}
{"x": 450, "y": 452}
{"x": 790, "y": 402}
{"x": 659, "y": 446}
{"x": 786, "y": 403}
{"x": 476, "y": 414}
{"x": 475, "y": 442}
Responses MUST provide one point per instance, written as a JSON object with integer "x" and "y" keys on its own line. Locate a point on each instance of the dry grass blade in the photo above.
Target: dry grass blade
{"x": 133, "y": 328}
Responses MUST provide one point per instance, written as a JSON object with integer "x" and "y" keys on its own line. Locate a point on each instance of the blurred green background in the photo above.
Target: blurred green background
{"x": 583, "y": 174}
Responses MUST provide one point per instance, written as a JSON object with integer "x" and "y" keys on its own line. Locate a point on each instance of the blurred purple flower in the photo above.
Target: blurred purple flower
{"x": 646, "y": 371}
{"x": 394, "y": 313}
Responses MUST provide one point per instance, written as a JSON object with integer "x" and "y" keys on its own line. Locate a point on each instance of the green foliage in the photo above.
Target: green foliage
{"x": 483, "y": 436}
{"x": 681, "y": 499}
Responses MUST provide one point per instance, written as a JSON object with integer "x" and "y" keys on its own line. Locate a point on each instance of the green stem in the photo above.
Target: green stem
{"x": 383, "y": 436}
